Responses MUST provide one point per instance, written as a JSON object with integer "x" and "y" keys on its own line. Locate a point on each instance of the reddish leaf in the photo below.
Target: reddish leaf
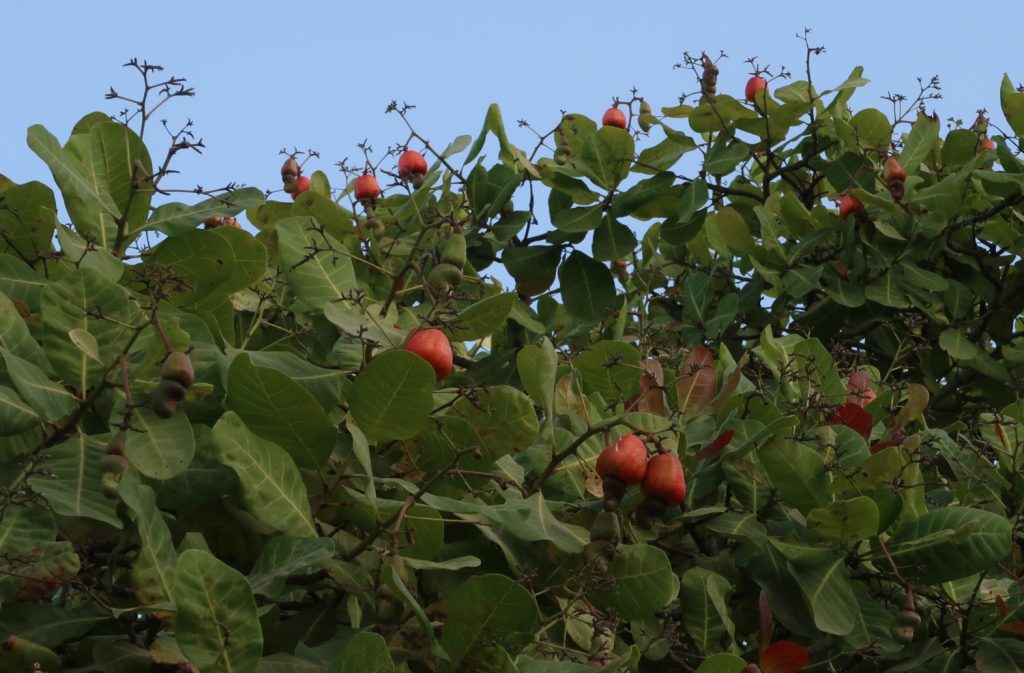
{"x": 1013, "y": 627}
{"x": 697, "y": 381}
{"x": 858, "y": 390}
{"x": 784, "y": 656}
{"x": 883, "y": 445}
{"x": 652, "y": 397}
{"x": 853, "y": 416}
{"x": 766, "y": 626}
{"x": 1001, "y": 608}
{"x": 715, "y": 446}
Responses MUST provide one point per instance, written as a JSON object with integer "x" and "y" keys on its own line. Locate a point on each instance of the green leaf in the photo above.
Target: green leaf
{"x": 489, "y": 189}
{"x": 951, "y": 543}
{"x": 507, "y": 152}
{"x": 483, "y": 318}
{"x": 664, "y": 155}
{"x": 324, "y": 384}
{"x": 706, "y": 617}
{"x": 828, "y": 592}
{"x": 44, "y": 396}
{"x": 575, "y": 220}
{"x": 723, "y": 157}
{"x": 48, "y": 625}
{"x": 365, "y": 652}
{"x": 1012, "y": 102}
{"x": 85, "y": 193}
{"x": 282, "y": 411}
{"x": 999, "y": 655}
{"x": 28, "y": 217}
{"x": 642, "y": 582}
{"x": 610, "y": 368}
{"x": 392, "y": 396}
{"x": 532, "y": 520}
{"x": 16, "y": 416}
{"x": 845, "y": 521}
{"x": 500, "y": 420}
{"x": 316, "y": 265}
{"x": 537, "y": 366}
{"x": 394, "y": 581}
{"x": 23, "y": 527}
{"x": 722, "y": 663}
{"x": 83, "y": 299}
{"x": 958, "y": 147}
{"x": 271, "y": 486}
{"x": 74, "y": 487}
{"x": 956, "y": 342}
{"x": 286, "y": 555}
{"x": 487, "y": 609}
{"x": 19, "y": 282}
{"x": 216, "y": 262}
{"x": 729, "y": 228}
{"x": 153, "y": 569}
{"x": 613, "y": 240}
{"x": 15, "y": 335}
{"x": 796, "y": 470}
{"x": 160, "y": 448}
{"x": 217, "y": 625}
{"x": 919, "y": 143}
{"x": 873, "y": 128}
{"x": 175, "y": 219}
{"x": 588, "y": 291}
{"x": 606, "y": 156}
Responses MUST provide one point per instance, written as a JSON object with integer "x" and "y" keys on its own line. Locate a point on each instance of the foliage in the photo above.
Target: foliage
{"x": 316, "y": 501}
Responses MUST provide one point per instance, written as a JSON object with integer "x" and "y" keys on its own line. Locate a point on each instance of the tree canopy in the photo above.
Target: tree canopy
{"x": 229, "y": 448}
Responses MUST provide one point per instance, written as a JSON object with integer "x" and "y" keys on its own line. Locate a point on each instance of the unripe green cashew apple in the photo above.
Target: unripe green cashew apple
{"x": 178, "y": 367}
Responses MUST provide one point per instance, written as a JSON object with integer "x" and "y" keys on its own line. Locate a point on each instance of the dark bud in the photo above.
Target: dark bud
{"x": 650, "y": 510}
{"x": 165, "y": 397}
{"x": 614, "y": 492}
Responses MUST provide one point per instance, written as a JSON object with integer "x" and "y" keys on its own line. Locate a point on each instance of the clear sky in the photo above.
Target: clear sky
{"x": 315, "y": 74}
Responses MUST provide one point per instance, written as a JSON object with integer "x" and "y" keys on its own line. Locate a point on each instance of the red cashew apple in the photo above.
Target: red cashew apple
{"x": 851, "y": 205}
{"x": 893, "y": 171}
{"x": 433, "y": 346}
{"x": 366, "y": 187}
{"x": 625, "y": 458}
{"x": 411, "y": 163}
{"x": 614, "y": 117}
{"x": 301, "y": 185}
{"x": 754, "y": 85}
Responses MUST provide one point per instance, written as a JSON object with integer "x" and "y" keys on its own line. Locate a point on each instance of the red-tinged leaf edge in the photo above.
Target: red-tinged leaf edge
{"x": 784, "y": 656}
{"x": 853, "y": 416}
{"x": 697, "y": 381}
{"x": 715, "y": 446}
{"x": 766, "y": 624}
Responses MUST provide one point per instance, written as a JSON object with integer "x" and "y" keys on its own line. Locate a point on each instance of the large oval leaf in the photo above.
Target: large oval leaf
{"x": 392, "y": 397}
{"x": 271, "y": 485}
{"x": 279, "y": 409}
{"x": 643, "y": 582}
{"x": 950, "y": 543}
{"x": 217, "y": 626}
{"x": 486, "y": 609}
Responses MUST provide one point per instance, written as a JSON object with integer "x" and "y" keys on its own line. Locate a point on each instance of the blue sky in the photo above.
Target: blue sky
{"x": 319, "y": 74}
